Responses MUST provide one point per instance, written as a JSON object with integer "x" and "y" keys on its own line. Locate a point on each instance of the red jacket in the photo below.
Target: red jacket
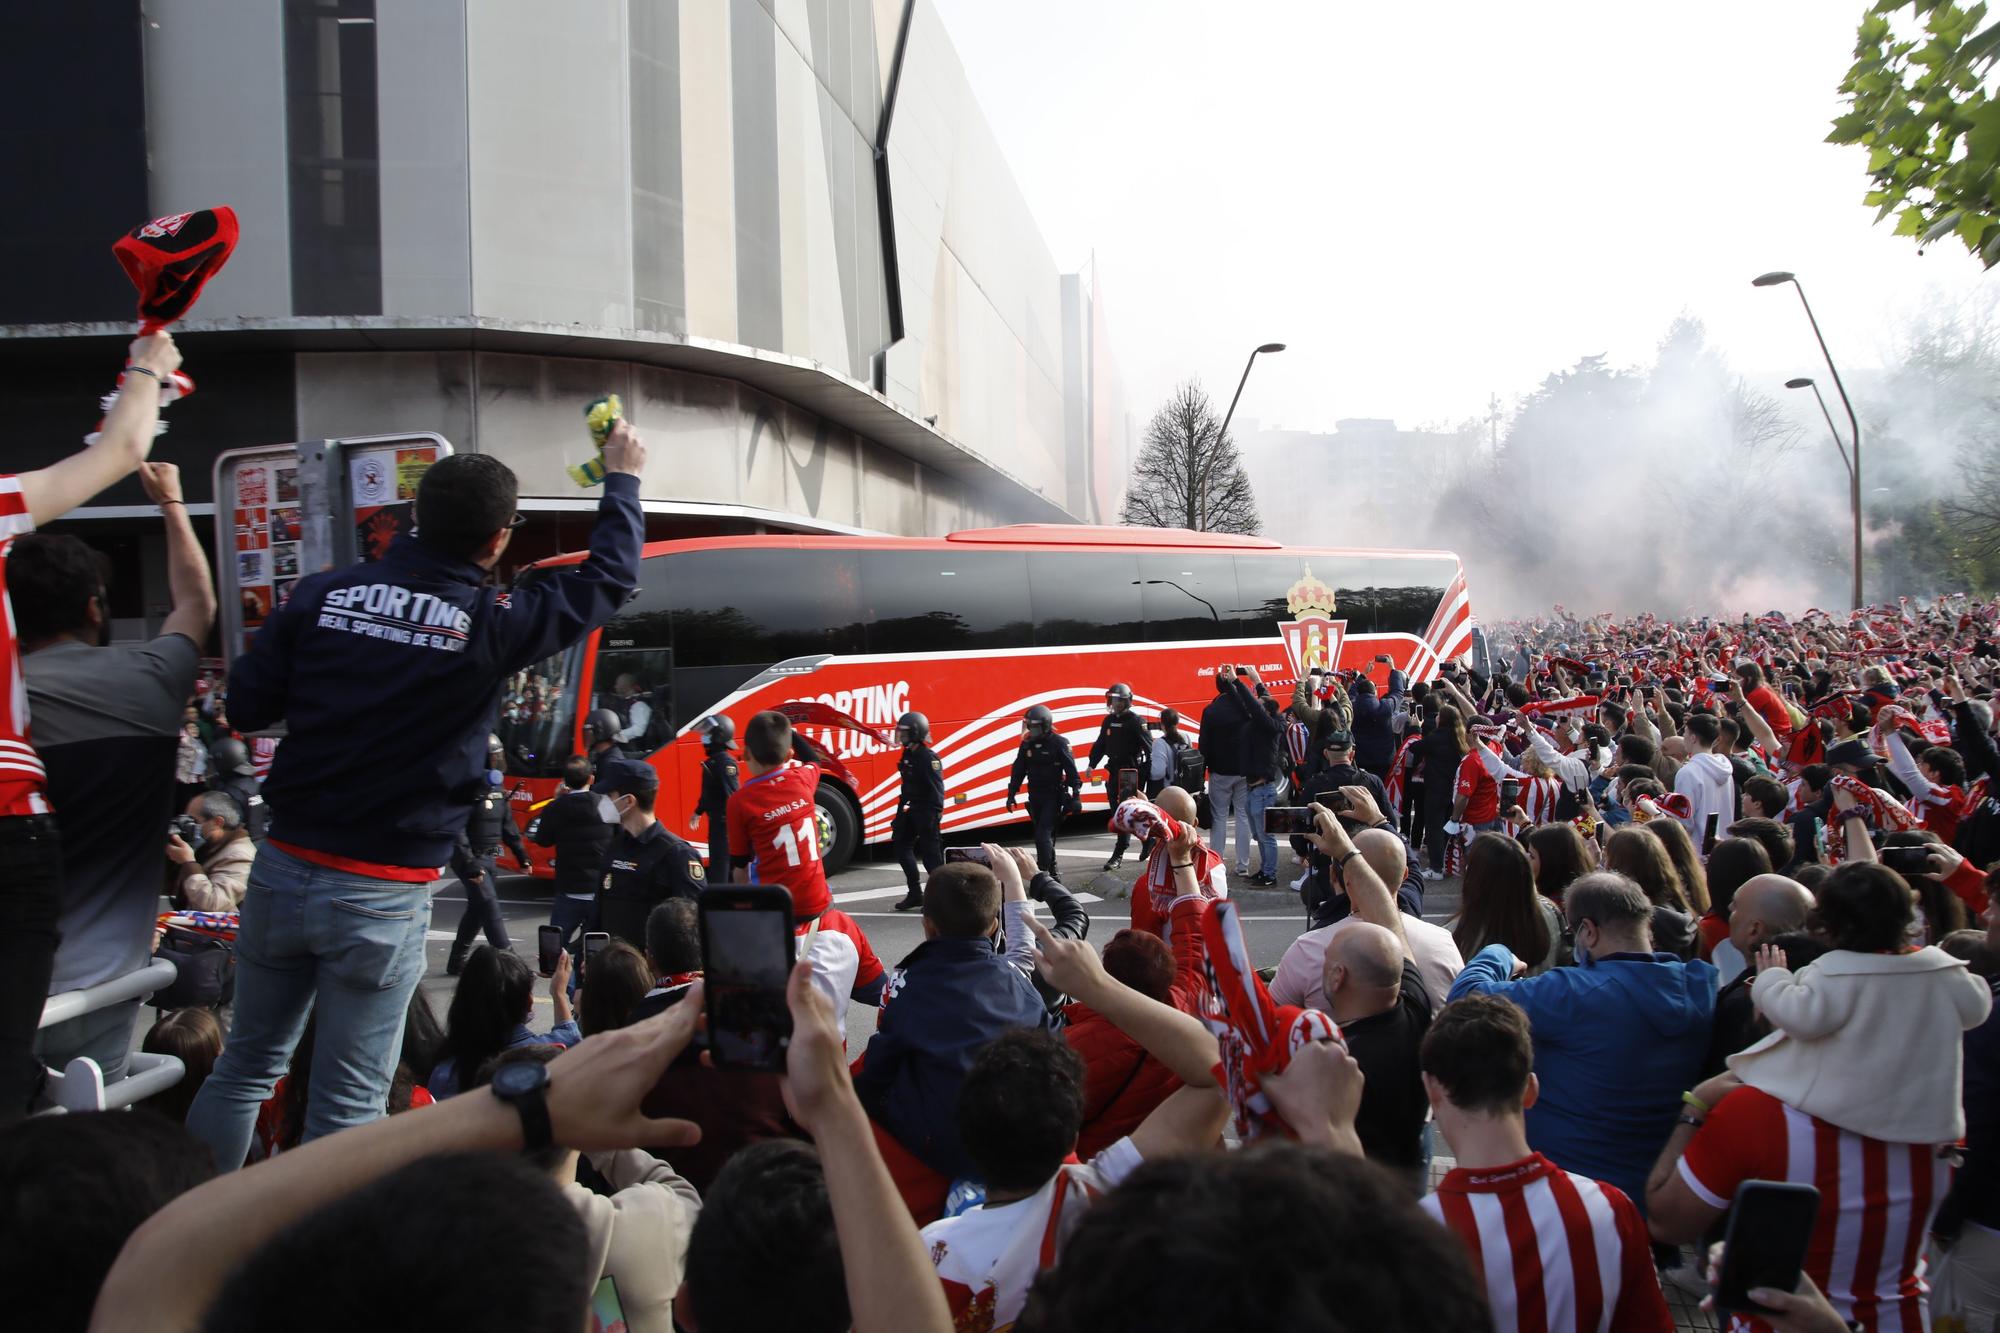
{"x": 1121, "y": 1083}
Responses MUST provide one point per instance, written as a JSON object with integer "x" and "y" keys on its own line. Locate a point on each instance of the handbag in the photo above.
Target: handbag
{"x": 204, "y": 971}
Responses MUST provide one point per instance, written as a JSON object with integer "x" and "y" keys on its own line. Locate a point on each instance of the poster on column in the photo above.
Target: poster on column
{"x": 383, "y": 481}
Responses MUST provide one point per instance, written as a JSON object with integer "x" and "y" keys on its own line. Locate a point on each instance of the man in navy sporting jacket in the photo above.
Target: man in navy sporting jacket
{"x": 387, "y": 676}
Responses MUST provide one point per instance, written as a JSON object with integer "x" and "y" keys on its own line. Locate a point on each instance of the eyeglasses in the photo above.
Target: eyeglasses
{"x": 516, "y": 521}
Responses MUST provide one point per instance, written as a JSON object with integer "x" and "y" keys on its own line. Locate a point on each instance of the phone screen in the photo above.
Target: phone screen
{"x": 1708, "y": 833}
{"x": 1128, "y": 782}
{"x": 976, "y": 855}
{"x": 594, "y": 941}
{"x": 1907, "y": 860}
{"x": 1288, "y": 819}
{"x": 1770, "y": 1226}
{"x": 548, "y": 944}
{"x": 747, "y": 959}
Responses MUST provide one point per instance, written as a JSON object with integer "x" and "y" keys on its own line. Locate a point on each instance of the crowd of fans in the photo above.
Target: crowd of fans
{"x": 1718, "y": 887}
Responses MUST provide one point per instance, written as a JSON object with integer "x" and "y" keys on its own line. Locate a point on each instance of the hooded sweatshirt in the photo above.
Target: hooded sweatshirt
{"x": 1616, "y": 1042}
{"x": 1709, "y": 783}
{"x": 639, "y": 1235}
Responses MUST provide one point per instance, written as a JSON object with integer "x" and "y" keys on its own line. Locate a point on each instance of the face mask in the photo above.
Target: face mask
{"x": 494, "y": 777}
{"x": 1582, "y": 956}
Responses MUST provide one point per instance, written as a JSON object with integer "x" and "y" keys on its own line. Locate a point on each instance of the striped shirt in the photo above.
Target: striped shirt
{"x": 23, "y": 780}
{"x": 1876, "y": 1201}
{"x": 1559, "y": 1253}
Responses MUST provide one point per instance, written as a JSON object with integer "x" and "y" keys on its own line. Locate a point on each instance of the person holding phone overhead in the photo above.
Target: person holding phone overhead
{"x": 645, "y": 865}
{"x": 1122, "y": 744}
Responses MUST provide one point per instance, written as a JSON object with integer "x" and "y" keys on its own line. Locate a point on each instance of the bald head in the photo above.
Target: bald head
{"x": 1176, "y": 802}
{"x": 1765, "y": 907}
{"x": 1385, "y": 855}
{"x": 1364, "y": 969}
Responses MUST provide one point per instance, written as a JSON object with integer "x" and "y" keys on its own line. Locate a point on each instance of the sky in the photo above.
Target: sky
{"x": 1434, "y": 204}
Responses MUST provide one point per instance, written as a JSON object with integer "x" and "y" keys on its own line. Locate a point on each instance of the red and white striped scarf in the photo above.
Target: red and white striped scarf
{"x": 1255, "y": 1034}
{"x": 1884, "y": 812}
{"x": 1399, "y": 778}
{"x": 1148, "y": 823}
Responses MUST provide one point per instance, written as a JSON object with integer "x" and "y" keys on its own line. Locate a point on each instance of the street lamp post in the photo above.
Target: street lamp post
{"x": 1853, "y": 423}
{"x": 1149, "y": 583}
{"x": 1223, "y": 434}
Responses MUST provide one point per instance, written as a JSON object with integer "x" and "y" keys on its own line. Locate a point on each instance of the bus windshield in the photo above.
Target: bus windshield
{"x": 538, "y": 715}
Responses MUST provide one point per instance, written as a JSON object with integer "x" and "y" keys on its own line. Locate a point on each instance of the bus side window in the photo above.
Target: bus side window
{"x": 636, "y": 684}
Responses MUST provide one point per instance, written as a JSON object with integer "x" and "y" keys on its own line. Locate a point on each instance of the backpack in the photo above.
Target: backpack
{"x": 1190, "y": 769}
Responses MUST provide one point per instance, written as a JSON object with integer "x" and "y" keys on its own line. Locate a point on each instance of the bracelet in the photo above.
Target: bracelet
{"x": 144, "y": 370}
{"x": 1181, "y": 865}
{"x": 181, "y": 503}
{"x": 1696, "y": 1102}
{"x": 1692, "y": 1121}
{"x": 1342, "y": 862}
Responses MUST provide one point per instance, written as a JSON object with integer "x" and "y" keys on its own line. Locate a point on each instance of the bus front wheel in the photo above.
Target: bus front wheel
{"x": 840, "y": 825}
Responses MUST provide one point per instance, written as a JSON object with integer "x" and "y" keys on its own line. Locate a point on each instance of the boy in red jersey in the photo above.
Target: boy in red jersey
{"x": 773, "y": 821}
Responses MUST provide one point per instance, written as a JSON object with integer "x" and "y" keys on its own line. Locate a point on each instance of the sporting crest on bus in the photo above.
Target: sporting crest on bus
{"x": 1312, "y": 637}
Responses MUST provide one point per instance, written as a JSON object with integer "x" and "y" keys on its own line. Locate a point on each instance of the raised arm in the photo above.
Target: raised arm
{"x": 188, "y": 578}
{"x": 1177, "y": 1040}
{"x": 1371, "y": 899}
{"x": 123, "y": 442}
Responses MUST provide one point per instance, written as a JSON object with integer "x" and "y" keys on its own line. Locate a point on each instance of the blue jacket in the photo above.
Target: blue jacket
{"x": 1223, "y": 736}
{"x": 1616, "y": 1043}
{"x": 1374, "y": 742}
{"x": 947, "y": 999}
{"x": 388, "y": 678}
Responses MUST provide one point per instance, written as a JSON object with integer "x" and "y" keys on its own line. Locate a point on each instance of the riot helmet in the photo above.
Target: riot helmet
{"x": 232, "y": 758}
{"x": 1038, "y": 721}
{"x": 718, "y": 733}
{"x": 600, "y": 725}
{"x": 913, "y": 729}
{"x": 1119, "y": 697}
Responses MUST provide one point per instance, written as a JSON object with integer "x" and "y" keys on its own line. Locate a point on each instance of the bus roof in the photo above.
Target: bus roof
{"x": 1025, "y": 536}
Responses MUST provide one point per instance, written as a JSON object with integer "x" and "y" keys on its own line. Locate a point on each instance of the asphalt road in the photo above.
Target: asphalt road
{"x": 1272, "y": 918}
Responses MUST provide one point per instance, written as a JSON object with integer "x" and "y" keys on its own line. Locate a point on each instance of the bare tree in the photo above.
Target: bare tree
{"x": 1975, "y": 510}
{"x": 1188, "y": 474}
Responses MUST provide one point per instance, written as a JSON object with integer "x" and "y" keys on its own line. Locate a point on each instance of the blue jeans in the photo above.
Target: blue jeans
{"x": 1262, "y": 798}
{"x": 314, "y": 940}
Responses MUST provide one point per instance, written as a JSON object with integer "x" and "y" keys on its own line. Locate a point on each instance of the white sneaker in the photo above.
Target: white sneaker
{"x": 1433, "y": 874}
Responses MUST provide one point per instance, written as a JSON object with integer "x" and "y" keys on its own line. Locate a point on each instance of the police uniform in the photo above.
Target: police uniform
{"x": 1046, "y": 764}
{"x": 718, "y": 782}
{"x": 1122, "y": 743}
{"x": 918, "y": 810}
{"x": 641, "y": 871}
{"x": 490, "y": 824}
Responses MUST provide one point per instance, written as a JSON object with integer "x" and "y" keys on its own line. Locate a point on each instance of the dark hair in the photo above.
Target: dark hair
{"x": 1140, "y": 959}
{"x": 73, "y": 1189}
{"x": 1812, "y": 874}
{"x": 1734, "y": 863}
{"x": 1498, "y": 906}
{"x": 1798, "y": 947}
{"x": 1816, "y": 776}
{"x": 673, "y": 936}
{"x": 1768, "y": 793}
{"x": 549, "y": 1156}
{"x": 50, "y": 581}
{"x": 1750, "y": 674}
{"x": 1947, "y": 761}
{"x": 1608, "y": 899}
{"x": 1970, "y": 947}
{"x": 1281, "y": 1236}
{"x": 194, "y": 1036}
{"x": 1636, "y": 749}
{"x": 576, "y": 772}
{"x": 1863, "y": 907}
{"x": 765, "y": 1213}
{"x": 495, "y": 995}
{"x": 1775, "y": 838}
{"x": 1517, "y": 694}
{"x": 1642, "y": 858}
{"x": 962, "y": 899}
{"x": 643, "y": 797}
{"x": 423, "y": 1036}
{"x": 463, "y": 500}
{"x": 1673, "y": 835}
{"x": 768, "y": 738}
{"x": 1940, "y": 909}
{"x": 376, "y": 1250}
{"x": 1560, "y": 849}
{"x": 1703, "y": 727}
{"x": 1020, "y": 1108}
{"x": 1478, "y": 1047}
{"x": 1614, "y": 710}
{"x": 614, "y": 983}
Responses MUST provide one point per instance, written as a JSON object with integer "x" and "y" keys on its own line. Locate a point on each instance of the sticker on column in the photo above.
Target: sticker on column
{"x": 373, "y": 482}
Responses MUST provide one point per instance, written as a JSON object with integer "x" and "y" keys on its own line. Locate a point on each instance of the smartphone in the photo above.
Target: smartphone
{"x": 746, "y": 950}
{"x": 1289, "y": 819}
{"x": 1510, "y": 794}
{"x": 593, "y": 941}
{"x": 976, "y": 855}
{"x": 548, "y": 945}
{"x": 1770, "y": 1225}
{"x": 1417, "y": 713}
{"x": 1710, "y": 831}
{"x": 1906, "y": 860}
{"x": 1128, "y": 782}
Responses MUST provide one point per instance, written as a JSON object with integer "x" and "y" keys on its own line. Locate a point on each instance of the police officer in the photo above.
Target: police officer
{"x": 578, "y": 823}
{"x": 919, "y": 808}
{"x": 718, "y": 783}
{"x": 1122, "y": 743}
{"x": 645, "y": 865}
{"x": 600, "y": 738}
{"x": 1044, "y": 761}
{"x": 232, "y": 771}
{"x": 490, "y": 824}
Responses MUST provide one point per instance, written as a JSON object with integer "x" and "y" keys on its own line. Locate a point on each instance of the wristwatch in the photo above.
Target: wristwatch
{"x": 524, "y": 1086}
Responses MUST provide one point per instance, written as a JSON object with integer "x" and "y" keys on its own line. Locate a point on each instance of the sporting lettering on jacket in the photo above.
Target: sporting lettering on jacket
{"x": 396, "y": 614}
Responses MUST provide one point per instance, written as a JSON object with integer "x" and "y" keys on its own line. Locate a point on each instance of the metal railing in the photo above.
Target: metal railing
{"x": 80, "y": 1085}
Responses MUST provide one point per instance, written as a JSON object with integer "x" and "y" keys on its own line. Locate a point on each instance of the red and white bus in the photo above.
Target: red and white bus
{"x": 848, "y": 633}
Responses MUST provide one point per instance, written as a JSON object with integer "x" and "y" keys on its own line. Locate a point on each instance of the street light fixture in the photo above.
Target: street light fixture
{"x": 1840, "y": 445}
{"x": 1223, "y": 434}
{"x": 1149, "y": 583}
{"x": 1778, "y": 278}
